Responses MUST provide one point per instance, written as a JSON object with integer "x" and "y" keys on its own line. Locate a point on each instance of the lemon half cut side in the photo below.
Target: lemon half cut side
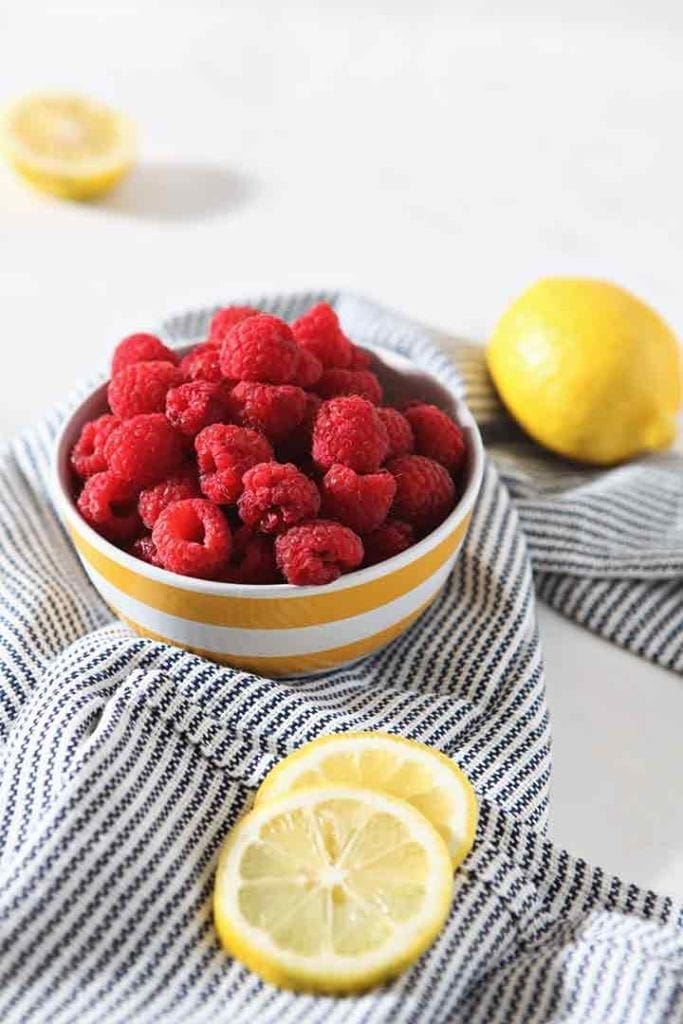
{"x": 331, "y": 889}
{"x": 67, "y": 145}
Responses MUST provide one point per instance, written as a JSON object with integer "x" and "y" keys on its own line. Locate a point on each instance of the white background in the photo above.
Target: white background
{"x": 436, "y": 157}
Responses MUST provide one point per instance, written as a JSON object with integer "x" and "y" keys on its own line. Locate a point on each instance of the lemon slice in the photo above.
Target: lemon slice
{"x": 67, "y": 145}
{"x": 425, "y": 777}
{"x": 332, "y": 889}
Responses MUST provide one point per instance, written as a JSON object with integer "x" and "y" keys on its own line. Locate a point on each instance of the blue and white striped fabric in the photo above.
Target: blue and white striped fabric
{"x": 124, "y": 763}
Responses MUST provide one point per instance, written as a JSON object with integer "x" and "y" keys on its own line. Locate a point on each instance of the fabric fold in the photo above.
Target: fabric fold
{"x": 124, "y": 763}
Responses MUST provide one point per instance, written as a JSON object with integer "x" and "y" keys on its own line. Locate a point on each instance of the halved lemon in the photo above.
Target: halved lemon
{"x": 423, "y": 776}
{"x": 67, "y": 145}
{"x": 332, "y": 889}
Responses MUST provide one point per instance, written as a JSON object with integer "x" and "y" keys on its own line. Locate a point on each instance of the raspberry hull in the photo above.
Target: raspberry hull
{"x": 263, "y": 455}
{"x": 192, "y": 537}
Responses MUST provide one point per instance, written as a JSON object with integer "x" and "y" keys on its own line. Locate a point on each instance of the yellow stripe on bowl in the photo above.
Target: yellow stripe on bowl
{"x": 288, "y": 612}
{"x": 270, "y": 642}
{"x": 289, "y": 665}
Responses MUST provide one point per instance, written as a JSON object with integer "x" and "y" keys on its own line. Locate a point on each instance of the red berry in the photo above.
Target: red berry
{"x": 425, "y": 492}
{"x": 387, "y": 540}
{"x": 275, "y": 409}
{"x": 87, "y": 455}
{"x": 224, "y": 454}
{"x": 202, "y": 363}
{"x": 317, "y": 552}
{"x": 350, "y": 382}
{"x": 349, "y": 431}
{"x": 276, "y": 497}
{"x": 141, "y": 348}
{"x": 360, "y": 359}
{"x": 361, "y": 502}
{"x": 142, "y": 388}
{"x": 145, "y": 549}
{"x": 144, "y": 449}
{"x": 192, "y": 537}
{"x": 253, "y": 559}
{"x": 196, "y": 405}
{"x": 308, "y": 369}
{"x": 260, "y": 348}
{"x": 319, "y": 332}
{"x": 154, "y": 500}
{"x": 437, "y": 436}
{"x": 224, "y": 319}
{"x": 110, "y": 505}
{"x": 401, "y": 440}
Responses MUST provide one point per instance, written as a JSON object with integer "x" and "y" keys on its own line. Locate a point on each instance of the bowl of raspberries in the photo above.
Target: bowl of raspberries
{"x": 272, "y": 496}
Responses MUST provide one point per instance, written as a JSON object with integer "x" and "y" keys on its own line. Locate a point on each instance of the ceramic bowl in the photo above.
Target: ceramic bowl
{"x": 279, "y": 630}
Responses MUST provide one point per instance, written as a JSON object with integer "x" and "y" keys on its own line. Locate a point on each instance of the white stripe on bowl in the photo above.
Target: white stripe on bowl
{"x": 270, "y": 642}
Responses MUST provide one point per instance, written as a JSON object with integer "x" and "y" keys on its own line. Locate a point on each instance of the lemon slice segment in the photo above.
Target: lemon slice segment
{"x": 332, "y": 889}
{"x": 425, "y": 777}
{"x": 67, "y": 145}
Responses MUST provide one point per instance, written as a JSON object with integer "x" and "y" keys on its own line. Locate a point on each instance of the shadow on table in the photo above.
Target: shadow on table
{"x": 180, "y": 191}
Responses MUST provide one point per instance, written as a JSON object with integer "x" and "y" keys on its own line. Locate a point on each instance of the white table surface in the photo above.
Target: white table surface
{"x": 433, "y": 160}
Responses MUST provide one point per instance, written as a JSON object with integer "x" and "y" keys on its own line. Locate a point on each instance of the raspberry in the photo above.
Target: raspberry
{"x": 224, "y": 319}
{"x": 437, "y": 436}
{"x": 350, "y": 382}
{"x": 145, "y": 549}
{"x": 202, "y": 363}
{"x": 192, "y": 537}
{"x": 319, "y": 332}
{"x": 425, "y": 492}
{"x": 224, "y": 454}
{"x": 140, "y": 348}
{"x": 87, "y": 455}
{"x": 142, "y": 388}
{"x": 401, "y": 440}
{"x": 144, "y": 449}
{"x": 308, "y": 369}
{"x": 276, "y": 410}
{"x": 253, "y": 559}
{"x": 349, "y": 430}
{"x": 154, "y": 500}
{"x": 260, "y": 348}
{"x": 110, "y": 505}
{"x": 196, "y": 405}
{"x": 361, "y": 502}
{"x": 360, "y": 359}
{"x": 387, "y": 540}
{"x": 276, "y": 497}
{"x": 317, "y": 552}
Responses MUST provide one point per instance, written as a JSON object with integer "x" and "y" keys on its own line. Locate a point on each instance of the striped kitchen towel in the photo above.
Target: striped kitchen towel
{"x": 124, "y": 762}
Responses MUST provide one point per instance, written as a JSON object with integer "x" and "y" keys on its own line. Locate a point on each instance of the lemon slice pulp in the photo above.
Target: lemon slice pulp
{"x": 423, "y": 776}
{"x": 331, "y": 889}
{"x": 67, "y": 145}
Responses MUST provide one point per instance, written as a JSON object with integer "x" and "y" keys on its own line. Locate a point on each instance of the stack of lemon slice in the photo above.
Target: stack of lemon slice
{"x": 342, "y": 874}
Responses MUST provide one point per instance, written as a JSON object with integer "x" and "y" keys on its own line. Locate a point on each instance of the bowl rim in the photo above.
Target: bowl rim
{"x": 68, "y": 512}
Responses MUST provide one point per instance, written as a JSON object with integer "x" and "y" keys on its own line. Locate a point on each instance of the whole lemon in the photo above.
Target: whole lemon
{"x": 588, "y": 370}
